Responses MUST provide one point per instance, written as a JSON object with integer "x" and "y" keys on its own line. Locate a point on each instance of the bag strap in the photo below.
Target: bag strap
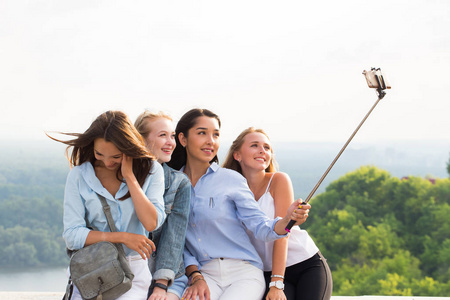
{"x": 107, "y": 211}
{"x": 69, "y": 290}
{"x": 109, "y": 218}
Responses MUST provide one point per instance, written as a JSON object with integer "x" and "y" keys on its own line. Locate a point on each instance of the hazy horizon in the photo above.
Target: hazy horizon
{"x": 305, "y": 162}
{"x": 292, "y": 68}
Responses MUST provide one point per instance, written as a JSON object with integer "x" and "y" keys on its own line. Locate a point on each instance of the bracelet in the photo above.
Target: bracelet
{"x": 277, "y": 276}
{"x": 161, "y": 286}
{"x": 197, "y": 279}
{"x": 193, "y": 272}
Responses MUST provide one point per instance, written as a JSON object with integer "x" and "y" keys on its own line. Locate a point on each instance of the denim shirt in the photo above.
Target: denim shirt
{"x": 169, "y": 238}
{"x": 81, "y": 201}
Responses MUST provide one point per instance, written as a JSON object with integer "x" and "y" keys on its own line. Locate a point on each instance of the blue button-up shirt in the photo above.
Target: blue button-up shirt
{"x": 81, "y": 199}
{"x": 222, "y": 208}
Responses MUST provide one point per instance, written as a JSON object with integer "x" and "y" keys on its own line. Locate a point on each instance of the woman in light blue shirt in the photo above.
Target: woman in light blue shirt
{"x": 220, "y": 260}
{"x": 110, "y": 159}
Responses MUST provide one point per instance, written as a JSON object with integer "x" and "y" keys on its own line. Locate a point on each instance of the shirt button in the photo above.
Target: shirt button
{"x": 206, "y": 255}
{"x": 199, "y": 240}
{"x": 193, "y": 225}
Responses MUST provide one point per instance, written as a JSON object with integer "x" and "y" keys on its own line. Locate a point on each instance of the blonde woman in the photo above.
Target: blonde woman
{"x": 169, "y": 280}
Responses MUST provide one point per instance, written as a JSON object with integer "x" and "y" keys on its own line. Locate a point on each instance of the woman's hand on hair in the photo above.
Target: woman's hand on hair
{"x": 127, "y": 166}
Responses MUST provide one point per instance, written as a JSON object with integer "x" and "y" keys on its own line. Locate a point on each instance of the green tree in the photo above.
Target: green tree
{"x": 383, "y": 235}
{"x": 29, "y": 247}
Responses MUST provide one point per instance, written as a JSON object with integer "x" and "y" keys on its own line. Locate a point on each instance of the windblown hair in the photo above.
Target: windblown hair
{"x": 142, "y": 122}
{"x": 231, "y": 163}
{"x": 188, "y": 121}
{"x": 114, "y": 127}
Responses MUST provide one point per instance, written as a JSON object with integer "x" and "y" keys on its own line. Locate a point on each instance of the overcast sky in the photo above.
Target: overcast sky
{"x": 293, "y": 68}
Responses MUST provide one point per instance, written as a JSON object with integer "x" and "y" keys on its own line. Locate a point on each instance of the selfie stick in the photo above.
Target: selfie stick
{"x": 381, "y": 94}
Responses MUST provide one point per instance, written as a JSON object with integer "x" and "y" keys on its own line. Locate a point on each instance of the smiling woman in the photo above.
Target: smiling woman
{"x": 221, "y": 262}
{"x": 294, "y": 268}
{"x": 158, "y": 131}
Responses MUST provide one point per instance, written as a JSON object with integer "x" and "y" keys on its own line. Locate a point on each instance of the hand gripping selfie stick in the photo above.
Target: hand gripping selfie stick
{"x": 375, "y": 79}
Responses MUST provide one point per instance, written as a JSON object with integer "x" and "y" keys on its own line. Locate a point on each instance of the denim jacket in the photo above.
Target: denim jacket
{"x": 169, "y": 238}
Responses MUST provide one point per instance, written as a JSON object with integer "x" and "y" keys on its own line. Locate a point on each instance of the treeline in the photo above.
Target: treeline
{"x": 31, "y": 211}
{"x": 383, "y": 235}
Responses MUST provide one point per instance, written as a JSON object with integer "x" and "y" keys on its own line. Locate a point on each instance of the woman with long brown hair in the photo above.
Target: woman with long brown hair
{"x": 110, "y": 159}
{"x": 294, "y": 268}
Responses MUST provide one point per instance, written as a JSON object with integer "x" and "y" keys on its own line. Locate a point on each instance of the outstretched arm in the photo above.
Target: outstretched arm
{"x": 283, "y": 195}
{"x": 296, "y": 212}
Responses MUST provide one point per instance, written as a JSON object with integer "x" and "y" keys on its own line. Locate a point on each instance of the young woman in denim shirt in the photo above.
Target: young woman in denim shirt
{"x": 110, "y": 159}
{"x": 169, "y": 279}
{"x": 295, "y": 260}
{"x": 220, "y": 260}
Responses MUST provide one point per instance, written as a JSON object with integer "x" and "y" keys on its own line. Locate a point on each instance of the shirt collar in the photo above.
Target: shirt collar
{"x": 89, "y": 177}
{"x": 88, "y": 174}
{"x": 213, "y": 167}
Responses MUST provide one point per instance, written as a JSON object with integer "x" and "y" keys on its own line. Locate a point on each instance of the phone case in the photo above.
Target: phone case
{"x": 371, "y": 78}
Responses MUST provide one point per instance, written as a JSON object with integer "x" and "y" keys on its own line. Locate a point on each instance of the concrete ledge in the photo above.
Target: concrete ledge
{"x": 30, "y": 296}
{"x": 58, "y": 296}
{"x": 387, "y": 298}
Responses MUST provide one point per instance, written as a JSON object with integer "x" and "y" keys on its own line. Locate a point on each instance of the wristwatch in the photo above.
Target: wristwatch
{"x": 278, "y": 284}
{"x": 161, "y": 286}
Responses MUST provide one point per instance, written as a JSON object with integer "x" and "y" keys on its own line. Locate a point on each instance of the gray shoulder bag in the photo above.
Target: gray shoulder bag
{"x": 101, "y": 271}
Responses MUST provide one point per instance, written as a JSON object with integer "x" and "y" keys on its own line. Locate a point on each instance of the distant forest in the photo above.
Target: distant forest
{"x": 382, "y": 234}
{"x": 32, "y": 181}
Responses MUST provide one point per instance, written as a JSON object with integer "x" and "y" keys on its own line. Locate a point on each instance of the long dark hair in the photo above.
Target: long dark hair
{"x": 187, "y": 121}
{"x": 114, "y": 127}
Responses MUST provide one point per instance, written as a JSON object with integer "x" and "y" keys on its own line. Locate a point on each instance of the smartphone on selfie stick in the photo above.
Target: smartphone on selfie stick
{"x": 375, "y": 79}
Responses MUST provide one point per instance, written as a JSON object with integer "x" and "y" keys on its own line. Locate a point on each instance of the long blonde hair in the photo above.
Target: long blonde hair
{"x": 231, "y": 163}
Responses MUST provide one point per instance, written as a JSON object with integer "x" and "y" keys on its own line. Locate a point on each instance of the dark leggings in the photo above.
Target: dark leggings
{"x": 307, "y": 280}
